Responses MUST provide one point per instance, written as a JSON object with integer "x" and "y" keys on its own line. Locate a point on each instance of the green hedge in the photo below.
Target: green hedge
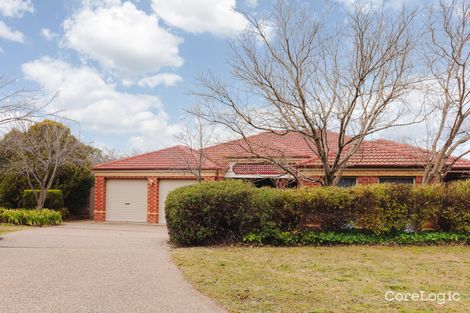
{"x": 320, "y": 238}
{"x": 54, "y": 199}
{"x": 227, "y": 211}
{"x": 30, "y": 217}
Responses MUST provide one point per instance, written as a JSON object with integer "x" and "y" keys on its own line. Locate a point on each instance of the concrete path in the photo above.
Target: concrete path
{"x": 87, "y": 267}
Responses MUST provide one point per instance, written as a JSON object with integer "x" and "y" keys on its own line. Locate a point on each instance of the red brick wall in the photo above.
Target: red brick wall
{"x": 152, "y": 200}
{"x": 367, "y": 180}
{"x": 419, "y": 180}
{"x": 100, "y": 199}
{"x": 152, "y": 195}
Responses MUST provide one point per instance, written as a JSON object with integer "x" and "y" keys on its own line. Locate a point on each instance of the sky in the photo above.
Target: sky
{"x": 121, "y": 70}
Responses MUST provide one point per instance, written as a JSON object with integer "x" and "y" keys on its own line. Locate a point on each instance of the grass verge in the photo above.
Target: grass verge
{"x": 327, "y": 279}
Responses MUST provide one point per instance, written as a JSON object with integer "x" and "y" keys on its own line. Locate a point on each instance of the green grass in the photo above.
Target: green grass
{"x": 8, "y": 228}
{"x": 327, "y": 279}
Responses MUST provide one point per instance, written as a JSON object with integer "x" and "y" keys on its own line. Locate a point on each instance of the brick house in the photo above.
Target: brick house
{"x": 134, "y": 189}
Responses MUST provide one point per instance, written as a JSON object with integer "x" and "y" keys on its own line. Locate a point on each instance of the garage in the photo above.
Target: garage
{"x": 164, "y": 187}
{"x": 126, "y": 200}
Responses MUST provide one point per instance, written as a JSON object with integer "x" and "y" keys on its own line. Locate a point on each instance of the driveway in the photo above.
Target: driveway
{"x": 87, "y": 267}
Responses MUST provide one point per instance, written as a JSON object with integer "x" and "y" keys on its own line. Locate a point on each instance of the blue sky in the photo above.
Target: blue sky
{"x": 121, "y": 69}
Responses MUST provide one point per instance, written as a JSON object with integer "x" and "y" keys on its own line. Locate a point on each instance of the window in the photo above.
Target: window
{"x": 397, "y": 180}
{"x": 347, "y": 181}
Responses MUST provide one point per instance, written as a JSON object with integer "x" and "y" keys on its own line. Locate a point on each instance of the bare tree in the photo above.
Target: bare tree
{"x": 40, "y": 152}
{"x": 295, "y": 74}
{"x": 448, "y": 61}
{"x": 196, "y": 136}
{"x": 16, "y": 104}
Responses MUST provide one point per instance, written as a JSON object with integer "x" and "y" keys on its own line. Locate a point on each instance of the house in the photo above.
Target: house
{"x": 134, "y": 189}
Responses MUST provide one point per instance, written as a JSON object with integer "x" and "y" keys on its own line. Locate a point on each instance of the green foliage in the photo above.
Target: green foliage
{"x": 320, "y": 238}
{"x": 455, "y": 215}
{"x": 75, "y": 182}
{"x": 11, "y": 190}
{"x": 384, "y": 207}
{"x": 224, "y": 212}
{"x": 208, "y": 212}
{"x": 30, "y": 217}
{"x": 54, "y": 199}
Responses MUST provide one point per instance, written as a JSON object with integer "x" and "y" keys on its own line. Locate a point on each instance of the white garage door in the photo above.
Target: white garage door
{"x": 126, "y": 200}
{"x": 164, "y": 187}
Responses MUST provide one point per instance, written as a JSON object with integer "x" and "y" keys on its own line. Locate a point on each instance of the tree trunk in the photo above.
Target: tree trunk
{"x": 41, "y": 199}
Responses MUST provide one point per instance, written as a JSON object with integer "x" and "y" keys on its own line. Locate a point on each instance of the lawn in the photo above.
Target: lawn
{"x": 327, "y": 279}
{"x": 6, "y": 228}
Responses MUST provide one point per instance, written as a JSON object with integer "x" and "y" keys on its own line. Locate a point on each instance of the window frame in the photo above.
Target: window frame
{"x": 348, "y": 177}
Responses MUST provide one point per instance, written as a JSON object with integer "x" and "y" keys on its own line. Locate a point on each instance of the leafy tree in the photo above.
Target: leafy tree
{"x": 46, "y": 155}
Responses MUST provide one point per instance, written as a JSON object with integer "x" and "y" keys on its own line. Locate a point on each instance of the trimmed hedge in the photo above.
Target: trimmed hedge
{"x": 30, "y": 217}
{"x": 54, "y": 199}
{"x": 204, "y": 213}
{"x": 320, "y": 238}
{"x": 228, "y": 211}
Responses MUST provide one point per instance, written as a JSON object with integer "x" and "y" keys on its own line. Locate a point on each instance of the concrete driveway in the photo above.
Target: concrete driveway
{"x": 87, "y": 267}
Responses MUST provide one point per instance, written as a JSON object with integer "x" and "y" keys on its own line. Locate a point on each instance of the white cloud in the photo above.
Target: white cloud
{"x": 252, "y": 3}
{"x": 122, "y": 38}
{"x": 9, "y": 34}
{"x": 82, "y": 95}
{"x": 166, "y": 79}
{"x": 218, "y": 17}
{"x": 15, "y": 8}
{"x": 48, "y": 34}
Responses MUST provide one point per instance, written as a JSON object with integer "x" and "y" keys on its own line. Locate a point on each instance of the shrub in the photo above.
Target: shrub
{"x": 209, "y": 212}
{"x": 229, "y": 211}
{"x": 321, "y": 238}
{"x": 332, "y": 208}
{"x": 455, "y": 214}
{"x": 54, "y": 199}
{"x": 30, "y": 217}
{"x": 427, "y": 202}
{"x": 384, "y": 207}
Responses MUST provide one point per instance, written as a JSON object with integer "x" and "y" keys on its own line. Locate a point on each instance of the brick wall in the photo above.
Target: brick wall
{"x": 152, "y": 200}
{"x": 152, "y": 195}
{"x": 367, "y": 180}
{"x": 99, "y": 199}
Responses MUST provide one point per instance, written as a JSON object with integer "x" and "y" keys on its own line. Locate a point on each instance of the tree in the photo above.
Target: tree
{"x": 196, "y": 136}
{"x": 447, "y": 59}
{"x": 40, "y": 152}
{"x": 310, "y": 79}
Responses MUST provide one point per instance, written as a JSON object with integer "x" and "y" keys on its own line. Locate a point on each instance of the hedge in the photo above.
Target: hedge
{"x": 30, "y": 217}
{"x": 54, "y": 199}
{"x": 228, "y": 211}
{"x": 320, "y": 238}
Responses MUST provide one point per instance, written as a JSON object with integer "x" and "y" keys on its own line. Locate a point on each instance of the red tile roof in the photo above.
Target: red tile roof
{"x": 177, "y": 157}
{"x": 257, "y": 169}
{"x": 291, "y": 146}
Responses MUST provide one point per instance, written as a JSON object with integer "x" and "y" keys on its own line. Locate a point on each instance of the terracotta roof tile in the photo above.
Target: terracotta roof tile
{"x": 291, "y": 146}
{"x": 177, "y": 157}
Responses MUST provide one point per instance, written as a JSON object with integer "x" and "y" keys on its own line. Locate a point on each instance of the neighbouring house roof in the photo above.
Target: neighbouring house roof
{"x": 177, "y": 157}
{"x": 242, "y": 156}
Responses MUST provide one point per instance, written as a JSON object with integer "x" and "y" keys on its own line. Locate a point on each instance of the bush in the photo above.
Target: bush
{"x": 383, "y": 207}
{"x": 30, "y": 217}
{"x": 455, "y": 214}
{"x": 54, "y": 199}
{"x": 209, "y": 212}
{"x": 320, "y": 238}
{"x": 229, "y": 211}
